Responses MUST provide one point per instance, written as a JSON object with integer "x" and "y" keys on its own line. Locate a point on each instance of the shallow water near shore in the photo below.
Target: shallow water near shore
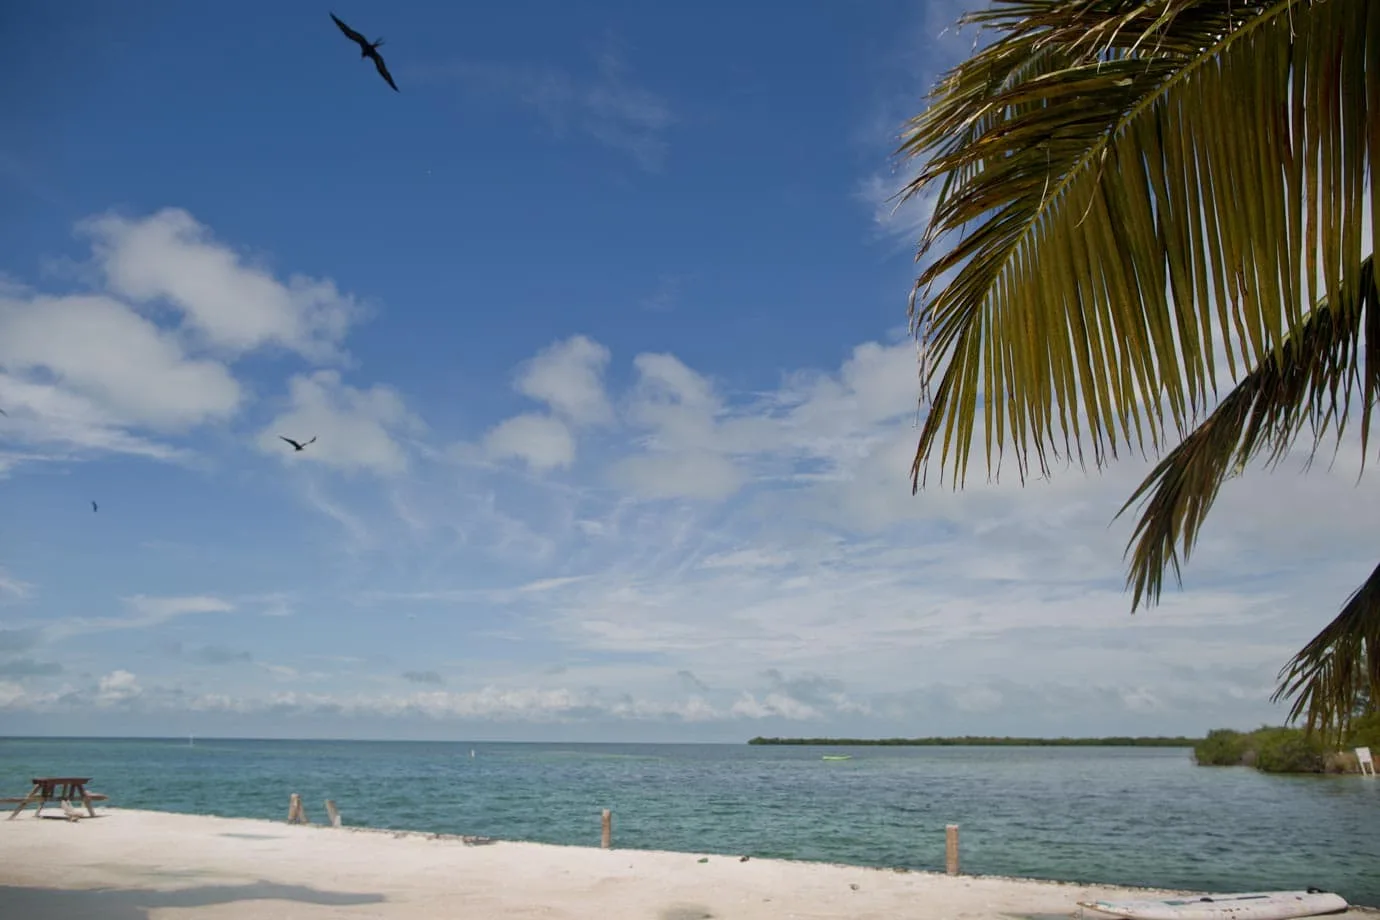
{"x": 1115, "y": 816}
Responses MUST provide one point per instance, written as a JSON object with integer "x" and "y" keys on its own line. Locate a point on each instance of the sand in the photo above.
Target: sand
{"x": 144, "y": 865}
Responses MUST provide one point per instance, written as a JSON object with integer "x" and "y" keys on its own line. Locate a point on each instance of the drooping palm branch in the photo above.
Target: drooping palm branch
{"x": 1310, "y": 380}
{"x": 1129, "y": 182}
{"x": 1324, "y": 675}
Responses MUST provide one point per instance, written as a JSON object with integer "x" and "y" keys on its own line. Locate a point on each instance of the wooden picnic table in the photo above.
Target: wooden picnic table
{"x": 60, "y": 788}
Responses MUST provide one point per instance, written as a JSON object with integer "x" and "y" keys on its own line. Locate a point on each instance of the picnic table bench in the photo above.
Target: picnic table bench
{"x": 56, "y": 788}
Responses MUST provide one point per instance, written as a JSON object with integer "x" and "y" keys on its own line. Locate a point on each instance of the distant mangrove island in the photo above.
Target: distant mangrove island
{"x": 1280, "y": 749}
{"x": 986, "y": 741}
{"x": 1270, "y": 749}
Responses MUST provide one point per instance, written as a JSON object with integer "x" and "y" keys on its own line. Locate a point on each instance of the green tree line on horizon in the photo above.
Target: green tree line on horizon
{"x": 1283, "y": 749}
{"x": 986, "y": 741}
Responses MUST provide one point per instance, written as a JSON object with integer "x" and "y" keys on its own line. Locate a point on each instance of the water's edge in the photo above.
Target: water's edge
{"x": 1122, "y": 817}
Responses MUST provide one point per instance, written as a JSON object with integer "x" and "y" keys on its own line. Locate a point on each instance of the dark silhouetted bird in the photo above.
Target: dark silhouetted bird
{"x": 4, "y": 413}
{"x": 295, "y": 445}
{"x": 368, "y": 49}
{"x": 93, "y": 507}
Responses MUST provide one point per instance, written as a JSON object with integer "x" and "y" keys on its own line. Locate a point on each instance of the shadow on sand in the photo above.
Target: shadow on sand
{"x": 136, "y": 903}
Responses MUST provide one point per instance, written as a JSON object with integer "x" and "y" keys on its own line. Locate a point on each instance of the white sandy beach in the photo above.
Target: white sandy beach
{"x": 143, "y": 865}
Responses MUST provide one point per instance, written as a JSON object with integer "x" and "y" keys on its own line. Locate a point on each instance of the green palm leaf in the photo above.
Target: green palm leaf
{"x": 1139, "y": 178}
{"x": 1310, "y": 380}
{"x": 1120, "y": 185}
{"x": 1323, "y": 676}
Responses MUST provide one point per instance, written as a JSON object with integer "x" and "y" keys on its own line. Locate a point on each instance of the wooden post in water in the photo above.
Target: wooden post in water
{"x": 951, "y": 849}
{"x": 332, "y": 813}
{"x": 606, "y": 835}
{"x": 296, "y": 813}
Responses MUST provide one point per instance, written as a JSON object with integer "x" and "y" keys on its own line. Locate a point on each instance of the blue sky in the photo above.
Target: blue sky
{"x": 600, "y": 325}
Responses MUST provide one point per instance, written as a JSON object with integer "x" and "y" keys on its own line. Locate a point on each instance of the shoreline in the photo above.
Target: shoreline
{"x": 130, "y": 864}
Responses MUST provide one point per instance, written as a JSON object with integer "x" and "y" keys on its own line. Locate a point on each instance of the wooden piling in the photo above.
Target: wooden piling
{"x": 951, "y": 849}
{"x": 606, "y": 836}
{"x": 296, "y": 813}
{"x": 332, "y": 813}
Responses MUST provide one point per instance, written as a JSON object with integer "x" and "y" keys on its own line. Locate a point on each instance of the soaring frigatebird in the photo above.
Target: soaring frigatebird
{"x": 367, "y": 49}
{"x": 295, "y": 445}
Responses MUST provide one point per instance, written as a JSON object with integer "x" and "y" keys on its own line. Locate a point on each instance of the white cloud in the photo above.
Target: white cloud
{"x": 568, "y": 377}
{"x": 686, "y": 473}
{"x": 145, "y": 611}
{"x": 902, "y": 220}
{"x": 105, "y": 352}
{"x": 231, "y": 304}
{"x": 774, "y": 704}
{"x": 118, "y": 687}
{"x": 13, "y": 586}
{"x": 355, "y": 429}
{"x": 545, "y": 443}
{"x": 152, "y": 610}
{"x": 146, "y": 357}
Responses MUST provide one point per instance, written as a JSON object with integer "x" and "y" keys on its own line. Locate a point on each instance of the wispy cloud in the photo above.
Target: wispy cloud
{"x": 145, "y": 612}
{"x": 929, "y": 45}
{"x": 604, "y": 105}
{"x": 13, "y": 586}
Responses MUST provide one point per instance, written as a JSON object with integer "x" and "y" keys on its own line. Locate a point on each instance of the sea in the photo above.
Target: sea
{"x": 1115, "y": 816}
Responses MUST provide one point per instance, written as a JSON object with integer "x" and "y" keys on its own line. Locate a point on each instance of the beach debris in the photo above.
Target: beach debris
{"x": 743, "y": 858}
{"x": 853, "y": 885}
{"x": 296, "y": 445}
{"x": 367, "y": 49}
{"x": 703, "y": 859}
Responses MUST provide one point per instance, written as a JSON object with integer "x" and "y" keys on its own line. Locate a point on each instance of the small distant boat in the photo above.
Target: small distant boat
{"x": 1254, "y": 905}
{"x": 837, "y": 757}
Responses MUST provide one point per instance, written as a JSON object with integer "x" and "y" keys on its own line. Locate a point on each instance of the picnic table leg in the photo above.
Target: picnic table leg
{"x": 86, "y": 800}
{"x": 44, "y": 794}
{"x": 24, "y": 804}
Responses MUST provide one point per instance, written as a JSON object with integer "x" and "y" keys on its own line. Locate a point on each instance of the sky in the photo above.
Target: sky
{"x": 600, "y": 327}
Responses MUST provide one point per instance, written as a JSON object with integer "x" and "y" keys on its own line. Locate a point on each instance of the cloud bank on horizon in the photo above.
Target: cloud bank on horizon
{"x": 555, "y": 511}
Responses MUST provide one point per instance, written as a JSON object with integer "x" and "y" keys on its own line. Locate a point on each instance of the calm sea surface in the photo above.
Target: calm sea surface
{"x": 1131, "y": 816}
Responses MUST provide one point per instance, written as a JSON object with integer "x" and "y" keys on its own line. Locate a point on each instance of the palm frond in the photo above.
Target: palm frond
{"x": 1323, "y": 676}
{"x": 1309, "y": 380}
{"x": 1140, "y": 178}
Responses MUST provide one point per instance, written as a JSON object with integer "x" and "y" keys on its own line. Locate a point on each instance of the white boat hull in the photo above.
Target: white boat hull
{"x": 1255, "y": 905}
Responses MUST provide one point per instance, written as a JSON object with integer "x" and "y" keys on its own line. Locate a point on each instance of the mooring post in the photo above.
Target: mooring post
{"x": 332, "y": 813}
{"x": 606, "y": 835}
{"x": 951, "y": 849}
{"x": 296, "y": 814}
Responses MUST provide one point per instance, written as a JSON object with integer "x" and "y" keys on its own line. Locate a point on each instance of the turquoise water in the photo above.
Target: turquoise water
{"x": 1130, "y": 816}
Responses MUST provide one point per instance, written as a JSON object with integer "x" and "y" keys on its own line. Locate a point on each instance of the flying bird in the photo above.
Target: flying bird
{"x": 295, "y": 445}
{"x": 93, "y": 508}
{"x": 4, "y": 413}
{"x": 369, "y": 50}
